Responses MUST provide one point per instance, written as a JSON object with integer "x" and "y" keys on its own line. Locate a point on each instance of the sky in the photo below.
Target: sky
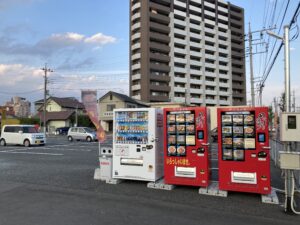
{"x": 86, "y": 44}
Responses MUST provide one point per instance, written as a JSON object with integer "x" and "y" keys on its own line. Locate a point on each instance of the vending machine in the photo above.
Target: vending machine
{"x": 243, "y": 150}
{"x": 137, "y": 144}
{"x": 186, "y": 146}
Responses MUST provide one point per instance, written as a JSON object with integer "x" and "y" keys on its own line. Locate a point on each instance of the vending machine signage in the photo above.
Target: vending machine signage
{"x": 137, "y": 144}
{"x": 243, "y": 142}
{"x": 186, "y": 146}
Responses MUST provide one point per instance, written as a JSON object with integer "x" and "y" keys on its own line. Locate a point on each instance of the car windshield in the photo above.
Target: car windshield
{"x": 89, "y": 130}
{"x": 29, "y": 130}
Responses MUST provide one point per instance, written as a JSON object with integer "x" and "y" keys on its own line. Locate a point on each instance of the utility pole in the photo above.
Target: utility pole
{"x": 46, "y": 70}
{"x": 294, "y": 101}
{"x": 76, "y": 116}
{"x": 251, "y": 68}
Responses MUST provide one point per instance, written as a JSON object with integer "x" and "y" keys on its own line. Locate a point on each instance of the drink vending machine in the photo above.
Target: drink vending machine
{"x": 243, "y": 149}
{"x": 137, "y": 144}
{"x": 186, "y": 146}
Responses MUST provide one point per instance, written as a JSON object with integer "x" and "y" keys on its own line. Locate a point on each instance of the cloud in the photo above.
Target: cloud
{"x": 55, "y": 44}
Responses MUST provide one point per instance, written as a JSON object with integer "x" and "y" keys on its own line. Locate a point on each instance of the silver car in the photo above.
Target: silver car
{"x": 81, "y": 133}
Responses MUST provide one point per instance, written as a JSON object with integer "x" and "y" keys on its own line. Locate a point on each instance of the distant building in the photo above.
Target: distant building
{"x": 59, "y": 111}
{"x": 19, "y": 107}
{"x": 113, "y": 100}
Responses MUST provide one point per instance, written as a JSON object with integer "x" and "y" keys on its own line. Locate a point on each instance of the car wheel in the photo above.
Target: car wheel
{"x": 89, "y": 139}
{"x": 70, "y": 138}
{"x": 26, "y": 143}
{"x": 2, "y": 142}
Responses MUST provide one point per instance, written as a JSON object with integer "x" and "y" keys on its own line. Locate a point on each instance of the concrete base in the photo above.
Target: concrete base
{"x": 97, "y": 174}
{"x": 271, "y": 198}
{"x": 114, "y": 181}
{"x": 213, "y": 190}
{"x": 160, "y": 184}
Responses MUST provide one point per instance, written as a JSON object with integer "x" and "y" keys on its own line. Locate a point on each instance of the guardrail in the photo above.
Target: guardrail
{"x": 276, "y": 147}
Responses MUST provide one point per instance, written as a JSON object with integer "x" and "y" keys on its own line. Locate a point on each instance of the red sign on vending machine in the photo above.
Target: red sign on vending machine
{"x": 243, "y": 147}
{"x": 186, "y": 146}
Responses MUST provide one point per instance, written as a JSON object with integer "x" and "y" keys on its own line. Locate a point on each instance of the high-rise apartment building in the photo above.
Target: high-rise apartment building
{"x": 188, "y": 51}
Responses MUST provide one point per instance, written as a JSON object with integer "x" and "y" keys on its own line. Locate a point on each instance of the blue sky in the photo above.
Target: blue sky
{"x": 86, "y": 44}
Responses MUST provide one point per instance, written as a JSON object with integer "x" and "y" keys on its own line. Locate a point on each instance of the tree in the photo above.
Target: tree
{"x": 271, "y": 115}
{"x": 83, "y": 121}
{"x": 282, "y": 102}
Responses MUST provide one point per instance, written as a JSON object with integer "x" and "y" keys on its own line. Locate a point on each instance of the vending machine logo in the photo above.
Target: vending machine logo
{"x": 261, "y": 121}
{"x": 200, "y": 120}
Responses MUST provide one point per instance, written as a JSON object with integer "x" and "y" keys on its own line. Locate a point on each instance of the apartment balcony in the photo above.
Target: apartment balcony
{"x": 221, "y": 25}
{"x": 238, "y": 70}
{"x": 181, "y": 32}
{"x": 160, "y": 57}
{"x": 210, "y": 83}
{"x": 180, "y": 41}
{"x": 179, "y": 89}
{"x": 136, "y": 46}
{"x": 136, "y": 6}
{"x": 161, "y": 18}
{"x": 135, "y": 26}
{"x": 180, "y": 80}
{"x": 159, "y": 66}
{"x": 194, "y": 26}
{"x": 180, "y": 70}
{"x": 195, "y": 35}
{"x": 159, "y": 47}
{"x": 195, "y": 44}
{"x": 136, "y": 87}
{"x": 223, "y": 42}
{"x": 210, "y": 5}
{"x": 211, "y": 101}
{"x": 195, "y": 81}
{"x": 208, "y": 56}
{"x": 210, "y": 74}
{"x": 195, "y": 72}
{"x": 224, "y": 76}
{"x": 179, "y": 99}
{"x": 195, "y": 63}
{"x": 222, "y": 9}
{"x": 224, "y": 93}
{"x": 138, "y": 97}
{"x": 161, "y": 7}
{"x": 196, "y": 54}
{"x": 210, "y": 92}
{"x": 160, "y": 27}
{"x": 196, "y": 91}
{"x": 135, "y": 36}
{"x": 180, "y": 50}
{"x": 211, "y": 48}
{"x": 136, "y": 77}
{"x": 181, "y": 4}
{"x": 209, "y": 13}
{"x": 180, "y": 60}
{"x": 194, "y": 17}
{"x": 195, "y": 8}
{"x": 179, "y": 13}
{"x": 180, "y": 22}
{"x": 223, "y": 34}
{"x": 136, "y": 56}
{"x": 210, "y": 39}
{"x": 136, "y": 16}
{"x": 225, "y": 51}
{"x": 224, "y": 102}
{"x": 159, "y": 78}
{"x": 196, "y": 100}
{"x": 136, "y": 66}
{"x": 223, "y": 59}
{"x": 224, "y": 18}
{"x": 239, "y": 15}
{"x": 226, "y": 68}
{"x": 221, "y": 84}
{"x": 159, "y": 88}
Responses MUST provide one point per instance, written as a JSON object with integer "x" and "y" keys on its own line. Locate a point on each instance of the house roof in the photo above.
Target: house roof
{"x": 63, "y": 115}
{"x": 122, "y": 97}
{"x": 69, "y": 102}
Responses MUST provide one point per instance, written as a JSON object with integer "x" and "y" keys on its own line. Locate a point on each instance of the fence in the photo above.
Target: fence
{"x": 276, "y": 147}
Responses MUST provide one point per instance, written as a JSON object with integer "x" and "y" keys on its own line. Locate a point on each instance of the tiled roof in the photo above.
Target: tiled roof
{"x": 123, "y": 97}
{"x": 69, "y": 102}
{"x": 63, "y": 115}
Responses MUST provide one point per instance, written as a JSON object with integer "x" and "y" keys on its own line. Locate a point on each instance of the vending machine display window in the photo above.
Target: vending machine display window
{"x": 238, "y": 134}
{"x": 131, "y": 128}
{"x": 181, "y": 132}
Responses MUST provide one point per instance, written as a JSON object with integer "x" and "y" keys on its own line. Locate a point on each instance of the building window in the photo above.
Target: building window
{"x": 110, "y": 108}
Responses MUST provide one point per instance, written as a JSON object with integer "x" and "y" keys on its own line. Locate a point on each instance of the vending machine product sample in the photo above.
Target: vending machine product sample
{"x": 243, "y": 142}
{"x": 186, "y": 146}
{"x": 137, "y": 144}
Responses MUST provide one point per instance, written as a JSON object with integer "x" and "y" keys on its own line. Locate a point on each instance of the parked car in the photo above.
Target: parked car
{"x": 214, "y": 134}
{"x": 62, "y": 130}
{"x": 26, "y": 135}
{"x": 82, "y": 133}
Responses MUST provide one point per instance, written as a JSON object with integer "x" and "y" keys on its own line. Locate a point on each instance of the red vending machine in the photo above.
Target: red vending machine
{"x": 243, "y": 147}
{"x": 186, "y": 146}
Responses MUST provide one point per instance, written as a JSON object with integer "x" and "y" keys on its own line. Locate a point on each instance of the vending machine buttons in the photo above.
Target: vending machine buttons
{"x": 201, "y": 150}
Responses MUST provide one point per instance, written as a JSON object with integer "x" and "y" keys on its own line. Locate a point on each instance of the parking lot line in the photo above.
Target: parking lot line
{"x": 33, "y": 153}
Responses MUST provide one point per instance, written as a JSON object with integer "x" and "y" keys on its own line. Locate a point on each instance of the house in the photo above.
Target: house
{"x": 60, "y": 112}
{"x": 113, "y": 100}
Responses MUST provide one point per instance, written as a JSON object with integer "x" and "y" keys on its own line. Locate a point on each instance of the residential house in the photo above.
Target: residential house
{"x": 113, "y": 100}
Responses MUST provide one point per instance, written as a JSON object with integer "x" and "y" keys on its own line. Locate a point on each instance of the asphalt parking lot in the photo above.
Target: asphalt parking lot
{"x": 53, "y": 184}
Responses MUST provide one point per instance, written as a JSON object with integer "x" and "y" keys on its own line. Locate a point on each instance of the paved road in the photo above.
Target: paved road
{"x": 54, "y": 185}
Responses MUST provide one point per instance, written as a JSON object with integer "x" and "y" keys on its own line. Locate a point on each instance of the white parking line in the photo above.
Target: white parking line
{"x": 33, "y": 153}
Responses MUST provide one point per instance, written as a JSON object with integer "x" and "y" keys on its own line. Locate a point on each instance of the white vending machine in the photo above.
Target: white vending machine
{"x": 138, "y": 144}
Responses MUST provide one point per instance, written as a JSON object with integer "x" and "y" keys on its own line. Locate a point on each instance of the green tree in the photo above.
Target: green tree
{"x": 282, "y": 102}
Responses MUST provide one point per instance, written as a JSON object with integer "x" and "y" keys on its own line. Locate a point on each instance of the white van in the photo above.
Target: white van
{"x": 21, "y": 135}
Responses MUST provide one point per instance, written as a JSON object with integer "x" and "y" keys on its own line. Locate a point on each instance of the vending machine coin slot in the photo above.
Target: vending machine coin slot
{"x": 201, "y": 150}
